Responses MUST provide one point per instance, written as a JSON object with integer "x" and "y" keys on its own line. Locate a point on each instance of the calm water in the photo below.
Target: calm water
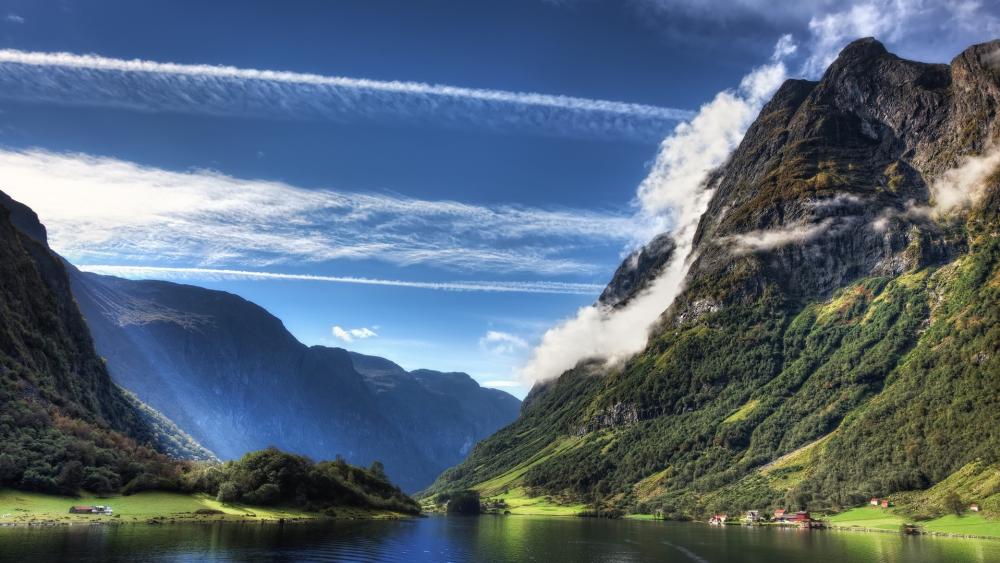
{"x": 489, "y": 538}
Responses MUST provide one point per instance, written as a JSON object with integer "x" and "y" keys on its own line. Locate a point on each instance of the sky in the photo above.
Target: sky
{"x": 448, "y": 184}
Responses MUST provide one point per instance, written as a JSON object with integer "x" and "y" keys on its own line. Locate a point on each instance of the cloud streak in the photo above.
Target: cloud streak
{"x": 215, "y": 274}
{"x": 497, "y": 342}
{"x": 90, "y": 80}
{"x": 101, "y": 210}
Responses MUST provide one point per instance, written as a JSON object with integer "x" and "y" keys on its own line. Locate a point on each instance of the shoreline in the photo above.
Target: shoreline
{"x": 833, "y": 527}
{"x": 154, "y": 508}
{"x": 181, "y": 518}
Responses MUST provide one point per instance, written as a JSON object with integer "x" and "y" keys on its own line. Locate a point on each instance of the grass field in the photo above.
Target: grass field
{"x": 970, "y": 523}
{"x": 868, "y": 517}
{"x": 518, "y": 502}
{"x": 19, "y": 507}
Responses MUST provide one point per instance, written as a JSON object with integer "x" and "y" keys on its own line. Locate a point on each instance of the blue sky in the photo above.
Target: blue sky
{"x": 497, "y": 145}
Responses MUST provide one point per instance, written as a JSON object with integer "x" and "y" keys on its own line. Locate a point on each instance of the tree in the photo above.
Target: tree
{"x": 954, "y": 503}
{"x": 228, "y": 492}
{"x": 378, "y": 470}
{"x": 464, "y": 502}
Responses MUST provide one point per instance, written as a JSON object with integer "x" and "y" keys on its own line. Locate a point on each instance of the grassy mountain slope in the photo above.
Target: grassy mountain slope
{"x": 858, "y": 359}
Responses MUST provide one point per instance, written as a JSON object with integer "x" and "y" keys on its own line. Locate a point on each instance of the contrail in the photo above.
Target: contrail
{"x": 91, "y": 80}
{"x": 147, "y": 272}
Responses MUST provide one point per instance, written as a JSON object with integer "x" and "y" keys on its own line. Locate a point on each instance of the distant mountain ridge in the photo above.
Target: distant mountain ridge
{"x": 229, "y": 373}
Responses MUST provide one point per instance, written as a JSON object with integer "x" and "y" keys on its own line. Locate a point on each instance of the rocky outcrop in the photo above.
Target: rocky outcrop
{"x": 638, "y": 271}
{"x": 817, "y": 193}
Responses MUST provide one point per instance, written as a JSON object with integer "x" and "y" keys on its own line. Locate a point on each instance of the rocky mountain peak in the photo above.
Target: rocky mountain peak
{"x": 801, "y": 204}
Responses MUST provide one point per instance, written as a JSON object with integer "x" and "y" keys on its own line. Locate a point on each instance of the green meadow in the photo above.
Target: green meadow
{"x": 20, "y": 508}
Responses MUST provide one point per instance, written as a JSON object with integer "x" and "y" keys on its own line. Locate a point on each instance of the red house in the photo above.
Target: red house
{"x": 802, "y": 516}
{"x": 885, "y": 503}
{"x": 779, "y": 514}
{"x": 81, "y": 509}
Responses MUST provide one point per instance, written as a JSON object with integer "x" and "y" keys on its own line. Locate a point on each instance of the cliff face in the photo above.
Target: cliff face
{"x": 229, "y": 373}
{"x": 827, "y": 285}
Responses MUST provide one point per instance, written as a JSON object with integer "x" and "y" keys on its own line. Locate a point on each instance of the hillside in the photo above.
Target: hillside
{"x": 230, "y": 374}
{"x": 836, "y": 338}
{"x": 65, "y": 427}
{"x": 63, "y": 424}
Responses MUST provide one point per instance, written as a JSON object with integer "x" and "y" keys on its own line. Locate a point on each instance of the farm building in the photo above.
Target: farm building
{"x": 87, "y": 509}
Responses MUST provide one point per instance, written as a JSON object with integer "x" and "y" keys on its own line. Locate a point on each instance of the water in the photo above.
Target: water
{"x": 488, "y": 538}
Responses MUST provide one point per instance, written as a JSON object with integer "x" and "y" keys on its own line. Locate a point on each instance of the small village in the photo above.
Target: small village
{"x": 780, "y": 517}
{"x": 783, "y": 517}
{"x": 803, "y": 519}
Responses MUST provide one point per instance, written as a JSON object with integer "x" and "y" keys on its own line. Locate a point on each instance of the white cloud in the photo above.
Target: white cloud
{"x": 352, "y": 334}
{"x": 214, "y": 274}
{"x": 92, "y": 80}
{"x": 675, "y": 194}
{"x": 501, "y": 383}
{"x": 928, "y": 30}
{"x": 919, "y": 29}
{"x": 98, "y": 208}
{"x": 496, "y": 342}
{"x": 774, "y": 238}
{"x": 14, "y": 18}
{"x": 963, "y": 185}
{"x": 955, "y": 189}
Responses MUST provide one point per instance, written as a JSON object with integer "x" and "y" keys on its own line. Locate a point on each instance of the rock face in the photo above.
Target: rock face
{"x": 827, "y": 310}
{"x": 229, "y": 373}
{"x": 812, "y": 198}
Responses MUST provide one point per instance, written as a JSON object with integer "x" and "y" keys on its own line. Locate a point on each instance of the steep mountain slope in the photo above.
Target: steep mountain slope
{"x": 229, "y": 373}
{"x": 838, "y": 330}
{"x": 63, "y": 423}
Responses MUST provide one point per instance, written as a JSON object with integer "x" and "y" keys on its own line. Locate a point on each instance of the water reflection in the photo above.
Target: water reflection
{"x": 489, "y": 538}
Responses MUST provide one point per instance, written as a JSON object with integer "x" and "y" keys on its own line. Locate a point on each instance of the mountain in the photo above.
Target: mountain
{"x": 838, "y": 330}
{"x": 64, "y": 425}
{"x": 230, "y": 374}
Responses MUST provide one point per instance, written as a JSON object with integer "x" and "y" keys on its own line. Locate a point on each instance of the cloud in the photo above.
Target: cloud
{"x": 102, "y": 209}
{"x": 496, "y": 342}
{"x": 674, "y": 195}
{"x": 770, "y": 239}
{"x": 956, "y": 189}
{"x": 14, "y": 18}
{"x": 501, "y": 383}
{"x": 352, "y": 334}
{"x": 963, "y": 185}
{"x": 929, "y": 30}
{"x": 91, "y": 80}
{"x": 920, "y": 29}
{"x": 211, "y": 274}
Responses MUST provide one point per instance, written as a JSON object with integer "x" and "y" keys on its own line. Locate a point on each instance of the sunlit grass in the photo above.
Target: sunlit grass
{"x": 24, "y": 507}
